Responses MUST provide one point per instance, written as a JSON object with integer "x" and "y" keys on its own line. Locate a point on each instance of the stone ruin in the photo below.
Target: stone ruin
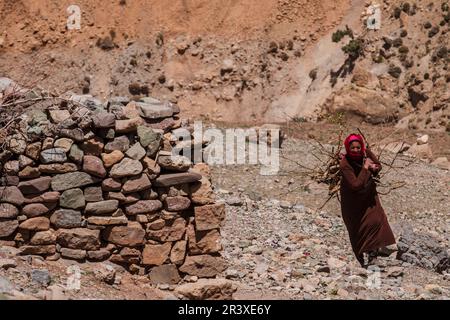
{"x": 94, "y": 181}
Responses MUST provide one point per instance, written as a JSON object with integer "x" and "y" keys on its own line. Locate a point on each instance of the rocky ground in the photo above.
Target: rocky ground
{"x": 278, "y": 246}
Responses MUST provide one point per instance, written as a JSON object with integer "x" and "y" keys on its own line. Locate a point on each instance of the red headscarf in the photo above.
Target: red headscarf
{"x": 357, "y": 156}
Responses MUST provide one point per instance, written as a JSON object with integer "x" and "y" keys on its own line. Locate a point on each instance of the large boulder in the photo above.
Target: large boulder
{"x": 372, "y": 106}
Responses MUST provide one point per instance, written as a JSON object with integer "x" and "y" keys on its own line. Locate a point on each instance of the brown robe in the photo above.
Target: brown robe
{"x": 361, "y": 209}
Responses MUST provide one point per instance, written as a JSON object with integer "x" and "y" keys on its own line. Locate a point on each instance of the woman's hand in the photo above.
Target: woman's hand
{"x": 368, "y": 163}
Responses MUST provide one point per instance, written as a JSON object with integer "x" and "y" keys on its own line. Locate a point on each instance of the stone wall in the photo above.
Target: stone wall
{"x": 90, "y": 181}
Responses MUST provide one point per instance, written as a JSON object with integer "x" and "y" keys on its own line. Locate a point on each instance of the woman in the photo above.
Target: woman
{"x": 364, "y": 217}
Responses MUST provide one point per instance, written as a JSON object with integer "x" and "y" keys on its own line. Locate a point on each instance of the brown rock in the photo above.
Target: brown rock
{"x": 104, "y": 120}
{"x": 102, "y": 207}
{"x": 29, "y": 173}
{"x": 36, "y": 224}
{"x": 177, "y": 203}
{"x": 7, "y": 227}
{"x": 76, "y": 154}
{"x": 208, "y": 289}
{"x": 79, "y": 238}
{"x": 24, "y": 161}
{"x": 94, "y": 166}
{"x": 203, "y": 169}
{"x": 63, "y": 143}
{"x": 203, "y": 266}
{"x": 58, "y": 116}
{"x": 158, "y": 224}
{"x": 12, "y": 167}
{"x": 93, "y": 194}
{"x": 209, "y": 217}
{"x": 167, "y": 274}
{"x": 43, "y": 238}
{"x": 37, "y": 209}
{"x": 203, "y": 242}
{"x": 38, "y": 250}
{"x": 174, "y": 163}
{"x": 173, "y": 230}
{"x": 126, "y": 168}
{"x": 143, "y": 207}
{"x": 75, "y": 254}
{"x": 111, "y": 185}
{"x": 66, "y": 218}
{"x": 11, "y": 195}
{"x": 125, "y": 236}
{"x": 56, "y": 168}
{"x": 151, "y": 166}
{"x": 201, "y": 192}
{"x": 108, "y": 221}
{"x": 172, "y": 179}
{"x": 119, "y": 196}
{"x": 110, "y": 159}
{"x": 128, "y": 126}
{"x": 164, "y": 124}
{"x": 135, "y": 184}
{"x": 121, "y": 143}
{"x": 98, "y": 255}
{"x": 47, "y": 143}
{"x": 93, "y": 146}
{"x": 155, "y": 255}
{"x": 8, "y": 211}
{"x": 71, "y": 180}
{"x": 51, "y": 196}
{"x": 136, "y": 152}
{"x": 131, "y": 111}
{"x": 72, "y": 199}
{"x": 178, "y": 252}
{"x": 12, "y": 180}
{"x": 76, "y": 134}
{"x": 33, "y": 150}
{"x": 38, "y": 185}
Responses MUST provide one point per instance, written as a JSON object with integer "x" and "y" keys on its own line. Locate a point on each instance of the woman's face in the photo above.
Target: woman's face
{"x": 355, "y": 147}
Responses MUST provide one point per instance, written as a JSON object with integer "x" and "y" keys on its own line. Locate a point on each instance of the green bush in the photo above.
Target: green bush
{"x": 434, "y": 31}
{"x": 353, "y": 48}
{"x": 403, "y": 33}
{"x": 403, "y": 49}
{"x": 397, "y": 42}
{"x": 406, "y": 7}
{"x": 339, "y": 34}
{"x": 397, "y": 12}
{"x": 427, "y": 25}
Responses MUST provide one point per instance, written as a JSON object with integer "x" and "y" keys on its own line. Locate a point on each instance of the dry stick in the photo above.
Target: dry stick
{"x": 296, "y": 162}
{"x": 392, "y": 162}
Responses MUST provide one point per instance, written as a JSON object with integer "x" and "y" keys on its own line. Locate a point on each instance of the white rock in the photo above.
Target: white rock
{"x": 423, "y": 139}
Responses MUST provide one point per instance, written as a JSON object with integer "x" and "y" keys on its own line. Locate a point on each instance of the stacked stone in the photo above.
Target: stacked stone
{"x": 96, "y": 183}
